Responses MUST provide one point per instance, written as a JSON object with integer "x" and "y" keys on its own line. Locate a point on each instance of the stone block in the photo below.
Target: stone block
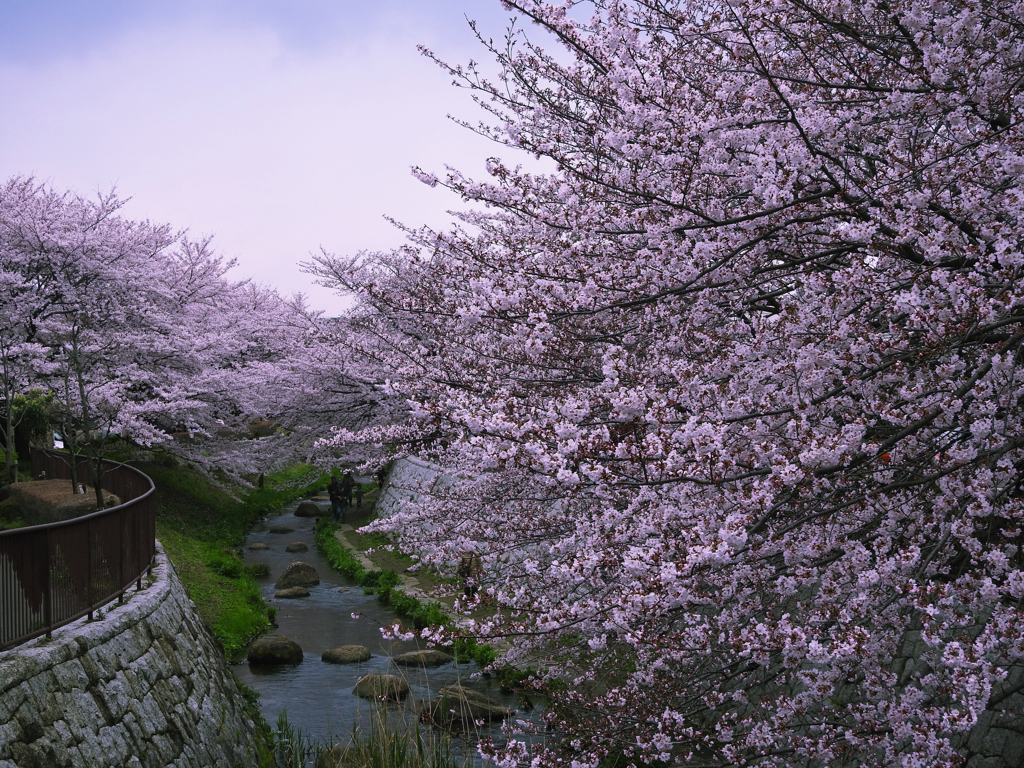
{"x": 133, "y": 732}
{"x": 115, "y": 697}
{"x": 63, "y": 734}
{"x": 980, "y": 731}
{"x": 168, "y": 651}
{"x": 29, "y": 722}
{"x": 10, "y": 701}
{"x": 151, "y": 716}
{"x": 1013, "y": 749}
{"x": 82, "y": 713}
{"x": 8, "y": 734}
{"x": 165, "y": 748}
{"x": 71, "y": 676}
{"x": 39, "y": 754}
{"x": 94, "y": 671}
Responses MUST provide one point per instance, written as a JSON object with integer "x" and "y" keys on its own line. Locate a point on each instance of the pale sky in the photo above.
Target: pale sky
{"x": 277, "y": 127}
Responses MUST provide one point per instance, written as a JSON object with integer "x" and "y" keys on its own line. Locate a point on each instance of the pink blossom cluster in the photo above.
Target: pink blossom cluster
{"x": 730, "y": 395}
{"x": 130, "y": 330}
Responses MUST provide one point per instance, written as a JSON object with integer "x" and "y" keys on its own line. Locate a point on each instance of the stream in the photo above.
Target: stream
{"x": 318, "y": 696}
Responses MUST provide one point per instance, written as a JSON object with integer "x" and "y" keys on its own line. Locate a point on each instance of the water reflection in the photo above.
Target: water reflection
{"x": 318, "y": 696}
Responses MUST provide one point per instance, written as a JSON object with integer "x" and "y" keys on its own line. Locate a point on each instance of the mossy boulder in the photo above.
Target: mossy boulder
{"x": 346, "y": 654}
{"x": 378, "y": 686}
{"x": 291, "y": 593}
{"x": 308, "y": 509}
{"x": 429, "y": 658}
{"x": 462, "y": 707}
{"x": 298, "y": 574}
{"x": 275, "y": 649}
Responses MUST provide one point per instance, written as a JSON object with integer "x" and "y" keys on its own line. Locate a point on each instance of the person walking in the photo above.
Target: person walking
{"x": 347, "y": 484}
{"x": 469, "y": 570}
{"x": 337, "y": 494}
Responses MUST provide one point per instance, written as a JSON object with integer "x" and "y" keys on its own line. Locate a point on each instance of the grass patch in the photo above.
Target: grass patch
{"x": 364, "y": 541}
{"x": 228, "y": 598}
{"x": 384, "y": 744}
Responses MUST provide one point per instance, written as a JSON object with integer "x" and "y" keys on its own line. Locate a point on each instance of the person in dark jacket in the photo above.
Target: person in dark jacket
{"x": 337, "y": 494}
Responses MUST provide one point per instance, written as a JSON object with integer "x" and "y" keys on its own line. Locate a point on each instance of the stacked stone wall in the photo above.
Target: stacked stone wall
{"x": 145, "y": 685}
{"x": 409, "y": 479}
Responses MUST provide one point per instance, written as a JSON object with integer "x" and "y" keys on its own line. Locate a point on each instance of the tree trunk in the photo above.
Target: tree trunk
{"x": 94, "y": 478}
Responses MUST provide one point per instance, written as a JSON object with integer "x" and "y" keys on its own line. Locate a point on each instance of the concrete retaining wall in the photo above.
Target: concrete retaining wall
{"x": 145, "y": 685}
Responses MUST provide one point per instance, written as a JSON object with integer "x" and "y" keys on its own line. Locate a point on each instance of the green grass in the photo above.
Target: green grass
{"x": 384, "y": 744}
{"x": 228, "y": 598}
{"x": 200, "y": 523}
{"x": 384, "y": 584}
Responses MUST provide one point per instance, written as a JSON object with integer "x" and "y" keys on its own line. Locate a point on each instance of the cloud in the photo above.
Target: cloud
{"x": 238, "y": 131}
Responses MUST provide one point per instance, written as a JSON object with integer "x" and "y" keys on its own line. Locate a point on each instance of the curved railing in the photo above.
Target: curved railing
{"x": 52, "y": 574}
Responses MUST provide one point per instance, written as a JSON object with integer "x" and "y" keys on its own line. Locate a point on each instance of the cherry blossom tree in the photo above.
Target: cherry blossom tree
{"x": 732, "y": 395}
{"x": 134, "y": 327}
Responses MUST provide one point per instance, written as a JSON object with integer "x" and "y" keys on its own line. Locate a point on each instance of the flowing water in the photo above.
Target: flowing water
{"x": 318, "y": 696}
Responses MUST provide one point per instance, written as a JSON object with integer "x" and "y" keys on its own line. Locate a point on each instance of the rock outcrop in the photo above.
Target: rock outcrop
{"x": 275, "y": 649}
{"x": 378, "y": 686}
{"x": 346, "y": 654}
{"x": 298, "y": 574}
{"x": 461, "y": 707}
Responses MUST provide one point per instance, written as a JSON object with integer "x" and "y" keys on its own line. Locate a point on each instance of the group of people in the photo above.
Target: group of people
{"x": 341, "y": 493}
{"x": 345, "y": 490}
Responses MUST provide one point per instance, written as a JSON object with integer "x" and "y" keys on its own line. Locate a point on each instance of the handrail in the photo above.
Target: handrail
{"x": 54, "y": 573}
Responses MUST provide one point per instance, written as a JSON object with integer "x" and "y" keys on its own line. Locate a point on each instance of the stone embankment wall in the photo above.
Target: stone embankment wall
{"x": 145, "y": 685}
{"x": 408, "y": 479}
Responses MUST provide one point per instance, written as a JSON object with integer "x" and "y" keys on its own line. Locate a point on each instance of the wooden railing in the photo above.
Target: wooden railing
{"x": 52, "y": 574}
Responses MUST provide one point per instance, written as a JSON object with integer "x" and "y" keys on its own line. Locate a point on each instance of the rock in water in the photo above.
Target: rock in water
{"x": 291, "y": 592}
{"x": 297, "y": 546}
{"x": 258, "y": 545}
{"x": 377, "y": 686}
{"x": 429, "y": 658}
{"x": 275, "y": 649}
{"x": 460, "y": 707}
{"x": 308, "y": 509}
{"x": 281, "y": 529}
{"x": 346, "y": 654}
{"x": 298, "y": 574}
